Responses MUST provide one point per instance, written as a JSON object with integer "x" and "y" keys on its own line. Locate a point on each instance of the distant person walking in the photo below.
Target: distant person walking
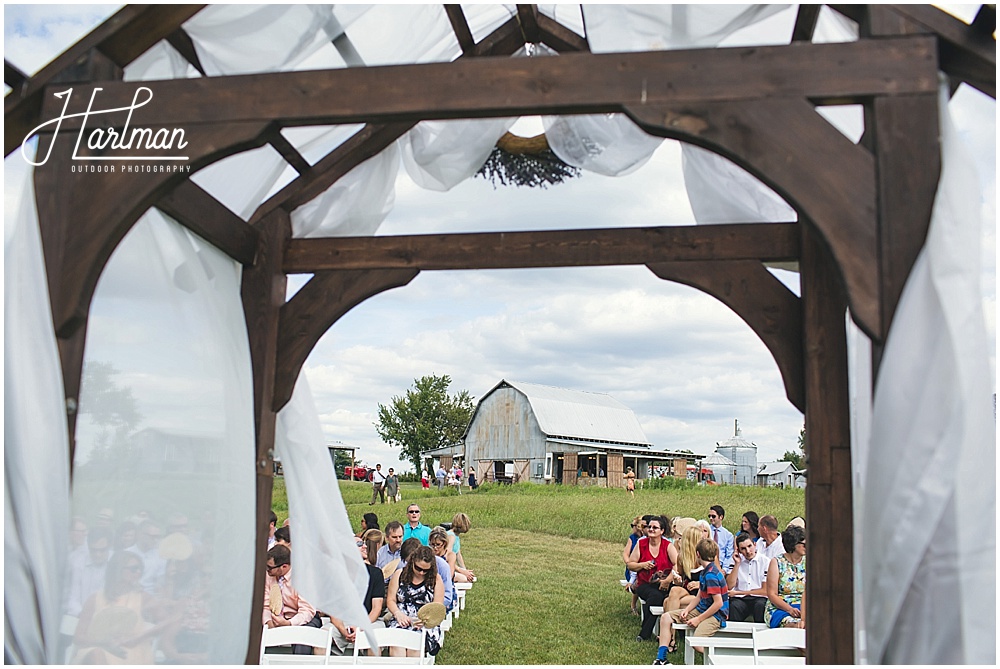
{"x": 392, "y": 486}
{"x": 441, "y": 475}
{"x": 630, "y": 482}
{"x": 424, "y": 483}
{"x": 378, "y": 485}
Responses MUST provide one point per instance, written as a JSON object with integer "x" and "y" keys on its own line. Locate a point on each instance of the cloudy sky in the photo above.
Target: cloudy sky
{"x": 682, "y": 361}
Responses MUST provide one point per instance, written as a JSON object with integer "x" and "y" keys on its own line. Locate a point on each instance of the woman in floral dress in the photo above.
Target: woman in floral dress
{"x": 418, "y": 583}
{"x": 786, "y": 582}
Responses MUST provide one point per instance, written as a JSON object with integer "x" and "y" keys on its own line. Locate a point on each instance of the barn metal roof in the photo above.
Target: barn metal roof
{"x": 772, "y": 468}
{"x": 578, "y": 414}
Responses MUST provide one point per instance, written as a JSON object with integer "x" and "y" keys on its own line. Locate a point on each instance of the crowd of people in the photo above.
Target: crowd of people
{"x": 451, "y": 478}
{"x": 410, "y": 565}
{"x": 136, "y": 590}
{"x": 703, "y": 576}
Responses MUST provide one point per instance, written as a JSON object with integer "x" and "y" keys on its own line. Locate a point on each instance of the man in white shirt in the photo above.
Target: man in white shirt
{"x": 378, "y": 485}
{"x": 86, "y": 570}
{"x": 747, "y": 593}
{"x": 147, "y": 547}
{"x": 769, "y": 545}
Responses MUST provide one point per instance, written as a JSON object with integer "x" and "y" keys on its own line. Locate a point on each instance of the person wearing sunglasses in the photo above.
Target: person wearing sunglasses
{"x": 414, "y": 528}
{"x": 638, "y": 532}
{"x": 294, "y": 609}
{"x": 653, "y": 558}
{"x": 417, "y": 584}
{"x": 110, "y": 630}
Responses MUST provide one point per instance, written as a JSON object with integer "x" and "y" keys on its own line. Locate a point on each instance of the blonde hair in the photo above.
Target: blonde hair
{"x": 687, "y": 552}
{"x": 460, "y": 523}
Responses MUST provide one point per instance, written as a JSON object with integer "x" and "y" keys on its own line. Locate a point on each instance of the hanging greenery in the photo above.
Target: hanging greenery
{"x": 525, "y": 161}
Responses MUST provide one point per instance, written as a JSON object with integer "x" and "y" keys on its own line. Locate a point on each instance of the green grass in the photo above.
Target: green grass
{"x": 548, "y": 560}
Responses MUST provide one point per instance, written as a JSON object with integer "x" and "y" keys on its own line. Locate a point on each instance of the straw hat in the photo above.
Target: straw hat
{"x": 388, "y": 569}
{"x": 681, "y": 524}
{"x": 796, "y": 521}
{"x": 432, "y": 614}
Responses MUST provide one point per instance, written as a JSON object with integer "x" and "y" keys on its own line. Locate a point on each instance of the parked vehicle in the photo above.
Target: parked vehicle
{"x": 705, "y": 476}
{"x": 360, "y": 473}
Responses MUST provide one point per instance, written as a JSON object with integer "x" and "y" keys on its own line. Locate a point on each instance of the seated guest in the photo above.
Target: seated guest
{"x": 439, "y": 544}
{"x": 769, "y": 545}
{"x": 414, "y": 528}
{"x": 294, "y": 610}
{"x": 677, "y": 527}
{"x": 87, "y": 570}
{"x": 369, "y": 521}
{"x": 747, "y": 594}
{"x": 722, "y": 537}
{"x": 638, "y": 531}
{"x": 687, "y": 570}
{"x": 393, "y": 542}
{"x": 786, "y": 582}
{"x": 344, "y": 635}
{"x": 748, "y": 524}
{"x": 460, "y": 524}
{"x": 711, "y": 606}
{"x": 283, "y": 536}
{"x": 416, "y": 585}
{"x": 270, "y": 530}
{"x": 652, "y": 559}
{"x": 373, "y": 543}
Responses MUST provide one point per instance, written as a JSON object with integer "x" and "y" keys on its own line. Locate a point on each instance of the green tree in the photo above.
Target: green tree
{"x": 112, "y": 409}
{"x": 797, "y": 458}
{"x": 426, "y": 417}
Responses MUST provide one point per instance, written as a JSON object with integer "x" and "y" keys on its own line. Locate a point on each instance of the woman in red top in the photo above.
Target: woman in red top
{"x": 652, "y": 559}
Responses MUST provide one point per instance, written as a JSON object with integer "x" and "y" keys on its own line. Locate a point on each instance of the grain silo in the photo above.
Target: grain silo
{"x": 743, "y": 453}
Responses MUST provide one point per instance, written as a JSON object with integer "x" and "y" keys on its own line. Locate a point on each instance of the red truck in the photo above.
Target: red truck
{"x": 361, "y": 473}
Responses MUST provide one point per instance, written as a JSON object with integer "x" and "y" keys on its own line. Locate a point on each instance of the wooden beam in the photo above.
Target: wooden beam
{"x": 545, "y": 248}
{"x": 527, "y": 17}
{"x": 805, "y": 23}
{"x": 263, "y": 293}
{"x": 905, "y": 133}
{"x": 460, "y": 26}
{"x": 83, "y": 215}
{"x": 203, "y": 215}
{"x": 14, "y": 77}
{"x": 181, "y": 41}
{"x": 291, "y": 155}
{"x": 315, "y": 308}
{"x": 817, "y": 170}
{"x": 559, "y": 37}
{"x": 573, "y": 83}
{"x": 829, "y": 502}
{"x": 504, "y": 40}
{"x": 123, "y": 37}
{"x": 772, "y": 311}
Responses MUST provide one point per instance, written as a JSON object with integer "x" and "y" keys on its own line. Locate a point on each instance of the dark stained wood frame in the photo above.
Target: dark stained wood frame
{"x": 863, "y": 209}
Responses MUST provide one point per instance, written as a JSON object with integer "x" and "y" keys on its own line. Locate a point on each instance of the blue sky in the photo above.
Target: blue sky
{"x": 682, "y": 361}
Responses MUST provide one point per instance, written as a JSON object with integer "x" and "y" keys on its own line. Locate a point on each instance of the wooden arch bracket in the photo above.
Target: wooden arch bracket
{"x": 786, "y": 144}
{"x": 315, "y": 308}
{"x": 771, "y": 310}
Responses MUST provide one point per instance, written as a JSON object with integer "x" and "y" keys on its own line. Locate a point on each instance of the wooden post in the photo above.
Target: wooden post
{"x": 829, "y": 507}
{"x": 263, "y": 291}
{"x": 569, "y": 468}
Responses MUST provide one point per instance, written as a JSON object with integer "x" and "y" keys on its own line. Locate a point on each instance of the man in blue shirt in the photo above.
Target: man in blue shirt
{"x": 721, "y": 536}
{"x": 414, "y": 528}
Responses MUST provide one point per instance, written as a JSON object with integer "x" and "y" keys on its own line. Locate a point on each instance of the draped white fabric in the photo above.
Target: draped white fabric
{"x": 164, "y": 431}
{"x": 36, "y": 463}
{"x": 929, "y": 493}
{"x": 326, "y": 563}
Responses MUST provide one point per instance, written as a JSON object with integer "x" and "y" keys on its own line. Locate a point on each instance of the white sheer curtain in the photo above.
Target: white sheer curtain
{"x": 165, "y": 438}
{"x": 326, "y": 562}
{"x": 36, "y": 448}
{"x": 930, "y": 491}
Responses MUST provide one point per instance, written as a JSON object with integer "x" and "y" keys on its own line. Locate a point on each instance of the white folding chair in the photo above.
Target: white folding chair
{"x": 779, "y": 639}
{"x": 393, "y": 636}
{"x": 320, "y": 639}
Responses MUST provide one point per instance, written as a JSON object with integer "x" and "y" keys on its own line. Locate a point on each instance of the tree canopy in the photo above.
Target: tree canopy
{"x": 425, "y": 418}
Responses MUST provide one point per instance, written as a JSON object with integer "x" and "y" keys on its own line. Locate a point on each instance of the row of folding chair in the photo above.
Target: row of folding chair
{"x": 321, "y": 640}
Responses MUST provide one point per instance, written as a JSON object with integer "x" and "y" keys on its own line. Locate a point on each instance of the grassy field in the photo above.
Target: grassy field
{"x": 548, "y": 558}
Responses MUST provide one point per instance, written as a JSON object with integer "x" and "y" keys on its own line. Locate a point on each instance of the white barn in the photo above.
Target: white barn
{"x": 776, "y": 475}
{"x": 530, "y": 432}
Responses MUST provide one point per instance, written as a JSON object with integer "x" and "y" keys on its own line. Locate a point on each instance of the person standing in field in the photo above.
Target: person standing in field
{"x": 630, "y": 482}
{"x": 378, "y": 485}
{"x": 391, "y": 486}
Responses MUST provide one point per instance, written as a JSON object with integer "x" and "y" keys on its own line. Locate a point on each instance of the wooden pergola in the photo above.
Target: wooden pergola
{"x": 863, "y": 210}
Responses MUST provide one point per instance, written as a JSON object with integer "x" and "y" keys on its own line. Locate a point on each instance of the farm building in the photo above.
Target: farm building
{"x": 725, "y": 470}
{"x": 741, "y": 452}
{"x": 776, "y": 475}
{"x": 530, "y": 432}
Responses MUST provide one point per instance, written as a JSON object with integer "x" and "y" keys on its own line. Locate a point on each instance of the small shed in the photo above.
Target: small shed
{"x": 544, "y": 434}
{"x": 776, "y": 475}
